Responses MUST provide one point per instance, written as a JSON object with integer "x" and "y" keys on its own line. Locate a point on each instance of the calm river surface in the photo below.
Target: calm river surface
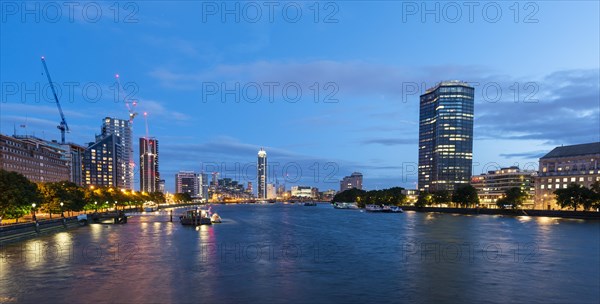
{"x": 291, "y": 253}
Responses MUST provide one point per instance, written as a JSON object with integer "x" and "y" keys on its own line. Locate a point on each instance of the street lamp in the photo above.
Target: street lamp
{"x": 115, "y": 205}
{"x": 96, "y": 206}
{"x": 33, "y": 209}
{"x": 61, "y": 209}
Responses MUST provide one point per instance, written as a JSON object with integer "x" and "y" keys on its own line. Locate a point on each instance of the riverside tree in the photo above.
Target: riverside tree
{"x": 424, "y": 199}
{"x": 350, "y": 195}
{"x": 574, "y": 196}
{"x": 596, "y": 195}
{"x": 514, "y": 197}
{"x": 17, "y": 195}
{"x": 441, "y": 197}
{"x": 182, "y": 197}
{"x": 391, "y": 196}
{"x": 54, "y": 193}
{"x": 466, "y": 196}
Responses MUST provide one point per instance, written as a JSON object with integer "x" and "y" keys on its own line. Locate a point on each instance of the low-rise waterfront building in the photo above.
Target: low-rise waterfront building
{"x": 301, "y": 192}
{"x": 328, "y": 195}
{"x": 579, "y": 164}
{"x": 412, "y": 195}
{"x": 36, "y": 159}
{"x": 491, "y": 186}
{"x": 271, "y": 192}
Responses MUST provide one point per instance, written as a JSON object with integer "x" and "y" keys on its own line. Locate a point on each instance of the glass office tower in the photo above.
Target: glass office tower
{"x": 446, "y": 136}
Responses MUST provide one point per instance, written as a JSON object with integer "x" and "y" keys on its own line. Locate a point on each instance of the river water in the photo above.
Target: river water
{"x": 292, "y": 253}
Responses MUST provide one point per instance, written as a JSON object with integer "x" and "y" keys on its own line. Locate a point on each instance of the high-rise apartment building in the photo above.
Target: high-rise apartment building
{"x": 122, "y": 129}
{"x": 355, "y": 180}
{"x": 262, "y": 174}
{"x": 149, "y": 174}
{"x": 75, "y": 155}
{"x": 186, "y": 182}
{"x": 103, "y": 163}
{"x": 203, "y": 183}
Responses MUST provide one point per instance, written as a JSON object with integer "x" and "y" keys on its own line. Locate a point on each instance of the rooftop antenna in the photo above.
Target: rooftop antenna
{"x": 146, "y": 121}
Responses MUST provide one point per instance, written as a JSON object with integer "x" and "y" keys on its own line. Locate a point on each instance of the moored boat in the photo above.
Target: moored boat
{"x": 345, "y": 206}
{"x": 150, "y": 206}
{"x": 395, "y": 209}
{"x": 215, "y": 218}
{"x": 373, "y": 208}
{"x": 383, "y": 208}
{"x": 311, "y": 204}
{"x": 195, "y": 217}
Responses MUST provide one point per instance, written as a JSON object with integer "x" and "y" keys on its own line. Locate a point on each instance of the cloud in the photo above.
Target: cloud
{"x": 391, "y": 141}
{"x": 567, "y": 112}
{"x": 157, "y": 109}
{"x": 352, "y": 77}
{"x": 40, "y": 108}
{"x": 525, "y": 155}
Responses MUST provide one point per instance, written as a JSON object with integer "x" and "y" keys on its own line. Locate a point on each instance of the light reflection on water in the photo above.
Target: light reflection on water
{"x": 291, "y": 253}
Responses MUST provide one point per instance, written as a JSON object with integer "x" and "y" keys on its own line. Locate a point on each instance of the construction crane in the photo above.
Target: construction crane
{"x": 63, "y": 127}
{"x": 131, "y": 104}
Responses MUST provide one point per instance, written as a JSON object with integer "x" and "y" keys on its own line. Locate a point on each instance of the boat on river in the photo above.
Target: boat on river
{"x": 196, "y": 217}
{"x": 150, "y": 206}
{"x": 311, "y": 204}
{"x": 383, "y": 209}
{"x": 392, "y": 209}
{"x": 215, "y": 218}
{"x": 374, "y": 208}
{"x": 350, "y": 206}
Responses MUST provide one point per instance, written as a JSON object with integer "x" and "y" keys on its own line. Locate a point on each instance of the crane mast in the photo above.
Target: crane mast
{"x": 63, "y": 127}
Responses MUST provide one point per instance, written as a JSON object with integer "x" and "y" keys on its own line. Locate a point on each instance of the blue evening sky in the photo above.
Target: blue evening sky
{"x": 369, "y": 61}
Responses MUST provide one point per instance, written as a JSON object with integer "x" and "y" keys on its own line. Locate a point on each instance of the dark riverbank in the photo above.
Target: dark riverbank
{"x": 587, "y": 215}
{"x": 11, "y": 233}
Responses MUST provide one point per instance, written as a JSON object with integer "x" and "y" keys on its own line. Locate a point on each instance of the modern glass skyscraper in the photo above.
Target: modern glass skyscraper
{"x": 122, "y": 129}
{"x": 149, "y": 174}
{"x": 262, "y": 174}
{"x": 446, "y": 136}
